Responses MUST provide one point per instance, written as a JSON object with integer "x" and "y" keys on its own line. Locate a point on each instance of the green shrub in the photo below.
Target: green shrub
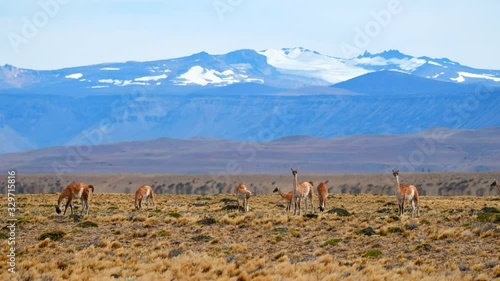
{"x": 163, "y": 233}
{"x": 174, "y": 215}
{"x": 395, "y": 229}
{"x": 372, "y": 254}
{"x": 489, "y": 217}
{"x": 332, "y": 242}
{"x": 340, "y": 212}
{"x": 202, "y": 238}
{"x": 281, "y": 229}
{"x": 366, "y": 231}
{"x": 206, "y": 221}
{"x": 174, "y": 253}
{"x": 55, "y": 235}
{"x": 423, "y": 246}
{"x": 86, "y": 224}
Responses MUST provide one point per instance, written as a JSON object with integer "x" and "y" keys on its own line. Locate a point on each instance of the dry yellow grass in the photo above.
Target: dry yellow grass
{"x": 204, "y": 237}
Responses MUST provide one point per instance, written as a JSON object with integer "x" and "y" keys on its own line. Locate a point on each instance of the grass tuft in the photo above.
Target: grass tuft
{"x": 489, "y": 214}
{"x": 230, "y": 208}
{"x": 372, "y": 254}
{"x": 490, "y": 210}
{"x": 340, "y": 212}
{"x": 279, "y": 255}
{"x": 24, "y": 220}
{"x": 87, "y": 224}
{"x": 394, "y": 218}
{"x": 174, "y": 253}
{"x": 281, "y": 229}
{"x": 206, "y": 221}
{"x": 3, "y": 235}
{"x": 425, "y": 221}
{"x": 311, "y": 216}
{"x": 164, "y": 233}
{"x": 55, "y": 235}
{"x": 423, "y": 246}
{"x": 332, "y": 242}
{"x": 366, "y": 231}
{"x": 174, "y": 215}
{"x": 203, "y": 238}
{"x": 411, "y": 226}
{"x": 395, "y": 229}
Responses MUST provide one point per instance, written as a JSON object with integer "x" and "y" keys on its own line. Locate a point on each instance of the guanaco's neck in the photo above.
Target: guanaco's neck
{"x": 295, "y": 182}
{"x": 282, "y": 193}
{"x": 60, "y": 199}
{"x": 397, "y": 185}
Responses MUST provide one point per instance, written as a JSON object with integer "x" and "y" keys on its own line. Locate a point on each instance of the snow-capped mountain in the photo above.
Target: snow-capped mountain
{"x": 441, "y": 69}
{"x": 289, "y": 68}
{"x": 173, "y": 75}
{"x": 242, "y": 95}
{"x": 304, "y": 62}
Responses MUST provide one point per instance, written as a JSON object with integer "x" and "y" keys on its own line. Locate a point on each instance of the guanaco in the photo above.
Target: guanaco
{"x": 76, "y": 190}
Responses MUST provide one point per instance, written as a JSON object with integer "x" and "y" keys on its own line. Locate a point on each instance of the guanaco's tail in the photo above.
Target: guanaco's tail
{"x": 91, "y": 187}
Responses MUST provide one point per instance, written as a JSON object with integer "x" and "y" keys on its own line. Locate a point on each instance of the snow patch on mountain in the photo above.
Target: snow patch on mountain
{"x": 462, "y": 75}
{"x": 110, "y": 68}
{"x": 151, "y": 78}
{"x": 434, "y": 63}
{"x": 406, "y": 64}
{"x": 437, "y": 75}
{"x": 74, "y": 76}
{"x": 202, "y": 76}
{"x": 121, "y": 83}
{"x": 109, "y": 81}
{"x": 312, "y": 64}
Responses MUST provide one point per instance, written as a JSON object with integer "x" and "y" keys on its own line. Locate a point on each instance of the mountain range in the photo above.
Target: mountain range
{"x": 287, "y": 68}
{"x": 244, "y": 95}
{"x": 437, "y": 149}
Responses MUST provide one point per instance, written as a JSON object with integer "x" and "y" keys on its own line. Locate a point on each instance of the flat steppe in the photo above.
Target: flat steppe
{"x": 206, "y": 237}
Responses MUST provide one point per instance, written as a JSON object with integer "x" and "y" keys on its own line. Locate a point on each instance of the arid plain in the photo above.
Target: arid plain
{"x": 203, "y": 235}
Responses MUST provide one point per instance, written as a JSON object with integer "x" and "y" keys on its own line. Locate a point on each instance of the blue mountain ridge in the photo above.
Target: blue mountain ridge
{"x": 244, "y": 98}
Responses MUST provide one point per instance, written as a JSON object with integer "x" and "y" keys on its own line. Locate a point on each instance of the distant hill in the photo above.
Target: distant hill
{"x": 402, "y": 84}
{"x": 438, "y": 149}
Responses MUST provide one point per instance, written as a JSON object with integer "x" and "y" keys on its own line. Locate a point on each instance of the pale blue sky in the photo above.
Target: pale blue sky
{"x": 78, "y": 32}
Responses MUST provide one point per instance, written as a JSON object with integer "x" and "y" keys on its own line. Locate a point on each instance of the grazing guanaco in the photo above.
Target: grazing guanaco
{"x": 311, "y": 194}
{"x": 287, "y": 196}
{"x": 494, "y": 183}
{"x": 146, "y": 192}
{"x": 244, "y": 194}
{"x": 76, "y": 190}
{"x": 301, "y": 190}
{"x": 406, "y": 193}
{"x": 322, "y": 194}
